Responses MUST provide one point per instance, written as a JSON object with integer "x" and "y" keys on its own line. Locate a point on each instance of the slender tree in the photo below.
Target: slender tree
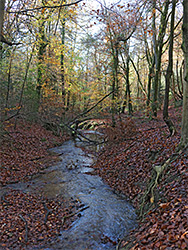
{"x": 62, "y": 60}
{"x": 42, "y": 43}
{"x": 158, "y": 55}
{"x": 126, "y": 72}
{"x": 169, "y": 72}
{"x": 2, "y": 8}
{"x": 184, "y": 132}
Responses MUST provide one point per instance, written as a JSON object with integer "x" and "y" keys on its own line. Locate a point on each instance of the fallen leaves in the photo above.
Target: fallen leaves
{"x": 25, "y": 153}
{"x": 127, "y": 167}
{"x": 125, "y": 164}
{"x": 29, "y": 218}
{"x": 25, "y": 218}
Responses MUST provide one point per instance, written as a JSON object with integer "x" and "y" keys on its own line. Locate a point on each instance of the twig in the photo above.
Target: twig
{"x": 77, "y": 132}
{"x": 46, "y": 7}
{"x": 87, "y": 111}
{"x": 47, "y": 213}
{"x": 12, "y": 116}
{"x": 26, "y": 228}
{"x": 37, "y": 158}
{"x": 153, "y": 128}
{"x": 119, "y": 244}
{"x": 58, "y": 19}
{"x": 71, "y": 215}
{"x": 3, "y": 40}
{"x": 4, "y": 200}
{"x": 24, "y": 83}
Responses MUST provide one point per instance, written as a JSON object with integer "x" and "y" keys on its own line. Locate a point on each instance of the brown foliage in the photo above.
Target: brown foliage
{"x": 127, "y": 166}
{"x": 123, "y": 130}
{"x": 29, "y": 218}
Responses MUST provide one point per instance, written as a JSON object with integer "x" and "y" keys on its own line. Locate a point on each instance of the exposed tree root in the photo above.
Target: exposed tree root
{"x": 149, "y": 194}
{"x": 170, "y": 125}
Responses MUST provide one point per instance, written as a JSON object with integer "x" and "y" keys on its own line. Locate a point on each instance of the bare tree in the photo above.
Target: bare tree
{"x": 158, "y": 54}
{"x": 2, "y": 8}
{"x": 169, "y": 71}
{"x": 184, "y": 132}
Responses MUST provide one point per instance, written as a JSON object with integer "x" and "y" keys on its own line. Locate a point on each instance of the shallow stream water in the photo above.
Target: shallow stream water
{"x": 108, "y": 215}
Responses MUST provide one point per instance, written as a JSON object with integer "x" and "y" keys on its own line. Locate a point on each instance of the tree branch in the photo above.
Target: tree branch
{"x": 87, "y": 111}
{"x": 46, "y": 7}
{"x": 3, "y": 40}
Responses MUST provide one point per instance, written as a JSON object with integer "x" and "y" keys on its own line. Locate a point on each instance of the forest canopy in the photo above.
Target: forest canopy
{"x": 60, "y": 58}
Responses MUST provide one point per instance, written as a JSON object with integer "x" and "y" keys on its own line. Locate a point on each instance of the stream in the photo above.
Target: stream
{"x": 108, "y": 215}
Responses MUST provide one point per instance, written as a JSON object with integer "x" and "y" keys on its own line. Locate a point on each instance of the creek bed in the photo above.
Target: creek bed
{"x": 108, "y": 217}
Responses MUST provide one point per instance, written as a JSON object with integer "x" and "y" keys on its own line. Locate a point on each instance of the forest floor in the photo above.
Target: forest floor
{"x": 29, "y": 218}
{"x": 126, "y": 164}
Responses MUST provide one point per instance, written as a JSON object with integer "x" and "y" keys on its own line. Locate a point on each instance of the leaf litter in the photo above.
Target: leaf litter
{"x": 30, "y": 219}
{"x": 126, "y": 163}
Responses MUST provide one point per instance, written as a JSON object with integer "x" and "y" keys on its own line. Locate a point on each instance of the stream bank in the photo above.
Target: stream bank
{"x": 107, "y": 217}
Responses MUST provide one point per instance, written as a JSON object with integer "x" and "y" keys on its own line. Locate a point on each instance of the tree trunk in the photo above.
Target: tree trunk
{"x": 114, "y": 49}
{"x": 151, "y": 62}
{"x": 9, "y": 81}
{"x": 158, "y": 55}
{"x": 126, "y": 69}
{"x": 138, "y": 76}
{"x": 168, "y": 76}
{"x": 178, "y": 80}
{"x": 184, "y": 131}
{"x": 150, "y": 77}
{"x": 2, "y": 8}
{"x": 41, "y": 52}
{"x": 181, "y": 75}
{"x": 62, "y": 61}
{"x": 155, "y": 53}
{"x": 42, "y": 43}
{"x": 128, "y": 91}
